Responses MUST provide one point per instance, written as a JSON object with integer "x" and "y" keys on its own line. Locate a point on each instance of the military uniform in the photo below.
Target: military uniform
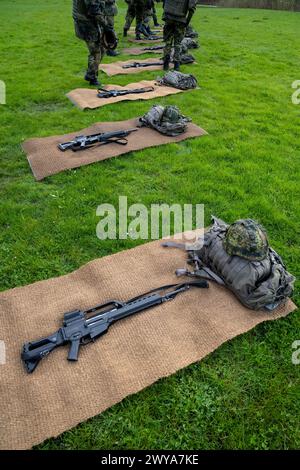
{"x": 110, "y": 11}
{"x": 89, "y": 21}
{"x": 177, "y": 15}
{"x": 136, "y": 9}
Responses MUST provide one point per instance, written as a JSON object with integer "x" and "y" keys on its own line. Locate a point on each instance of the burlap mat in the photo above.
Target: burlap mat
{"x": 140, "y": 51}
{"x": 116, "y": 68}
{"x": 87, "y": 98}
{"x": 136, "y": 351}
{"x": 46, "y": 159}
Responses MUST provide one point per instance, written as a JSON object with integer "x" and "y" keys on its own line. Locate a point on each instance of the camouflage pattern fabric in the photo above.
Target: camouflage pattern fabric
{"x": 173, "y": 35}
{"x": 136, "y": 10}
{"x": 89, "y": 21}
{"x": 167, "y": 120}
{"x": 178, "y": 80}
{"x": 188, "y": 43}
{"x": 177, "y": 10}
{"x": 190, "y": 32}
{"x": 110, "y": 11}
{"x": 247, "y": 239}
{"x": 257, "y": 284}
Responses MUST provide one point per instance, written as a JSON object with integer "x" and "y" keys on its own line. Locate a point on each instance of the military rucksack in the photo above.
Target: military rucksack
{"x": 165, "y": 119}
{"x": 178, "y": 80}
{"x": 255, "y": 274}
{"x": 188, "y": 43}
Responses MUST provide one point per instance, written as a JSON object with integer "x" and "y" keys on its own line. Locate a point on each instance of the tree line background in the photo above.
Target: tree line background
{"x": 272, "y": 4}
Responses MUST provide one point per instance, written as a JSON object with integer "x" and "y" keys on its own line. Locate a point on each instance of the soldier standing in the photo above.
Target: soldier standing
{"x": 89, "y": 24}
{"x": 177, "y": 16}
{"x": 111, "y": 10}
{"x": 136, "y": 9}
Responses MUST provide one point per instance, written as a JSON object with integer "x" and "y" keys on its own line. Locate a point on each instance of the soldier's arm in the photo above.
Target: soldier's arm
{"x": 191, "y": 11}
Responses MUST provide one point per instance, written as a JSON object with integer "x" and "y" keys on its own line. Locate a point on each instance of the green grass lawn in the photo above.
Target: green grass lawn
{"x": 246, "y": 394}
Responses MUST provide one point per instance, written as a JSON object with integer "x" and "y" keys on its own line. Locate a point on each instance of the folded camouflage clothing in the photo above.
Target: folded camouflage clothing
{"x": 166, "y": 120}
{"x": 190, "y": 32}
{"x": 239, "y": 257}
{"x": 179, "y": 80}
{"x": 188, "y": 43}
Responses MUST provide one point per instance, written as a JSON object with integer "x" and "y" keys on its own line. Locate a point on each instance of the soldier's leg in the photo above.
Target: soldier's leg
{"x": 110, "y": 21}
{"x": 178, "y": 37}
{"x": 154, "y": 15}
{"x": 95, "y": 55}
{"x": 130, "y": 15}
{"x": 140, "y": 11}
{"x": 168, "y": 40}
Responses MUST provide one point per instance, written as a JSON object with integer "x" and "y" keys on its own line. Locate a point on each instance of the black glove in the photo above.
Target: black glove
{"x": 110, "y": 38}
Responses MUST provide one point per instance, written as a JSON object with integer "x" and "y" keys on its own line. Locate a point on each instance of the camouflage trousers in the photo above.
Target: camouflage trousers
{"x": 96, "y": 52}
{"x": 136, "y": 10}
{"x": 110, "y": 21}
{"x": 173, "y": 35}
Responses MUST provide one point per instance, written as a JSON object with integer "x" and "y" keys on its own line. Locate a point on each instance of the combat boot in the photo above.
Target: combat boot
{"x": 93, "y": 80}
{"x": 112, "y": 53}
{"x": 166, "y": 63}
{"x": 177, "y": 66}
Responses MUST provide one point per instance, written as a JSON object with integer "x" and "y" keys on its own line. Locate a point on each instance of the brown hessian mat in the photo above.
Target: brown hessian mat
{"x": 140, "y": 50}
{"x": 87, "y": 98}
{"x": 46, "y": 159}
{"x": 116, "y": 68}
{"x": 146, "y": 41}
{"x": 135, "y": 352}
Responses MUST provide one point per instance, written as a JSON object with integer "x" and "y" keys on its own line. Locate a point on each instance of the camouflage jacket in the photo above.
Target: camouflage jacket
{"x": 177, "y": 10}
{"x": 89, "y": 18}
{"x": 88, "y": 10}
{"x": 110, "y": 8}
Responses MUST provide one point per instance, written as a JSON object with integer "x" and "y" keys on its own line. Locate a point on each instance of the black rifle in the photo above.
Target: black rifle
{"x": 102, "y": 93}
{"x": 82, "y": 142}
{"x": 82, "y": 327}
{"x": 155, "y": 38}
{"x": 137, "y": 65}
{"x": 153, "y": 48}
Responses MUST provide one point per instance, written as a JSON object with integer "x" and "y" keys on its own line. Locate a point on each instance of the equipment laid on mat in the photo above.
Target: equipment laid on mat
{"x": 189, "y": 43}
{"x": 239, "y": 257}
{"x": 137, "y": 65}
{"x": 165, "y": 119}
{"x": 82, "y": 327}
{"x": 83, "y": 142}
{"x": 178, "y": 80}
{"x": 185, "y": 59}
{"x": 153, "y": 48}
{"x": 102, "y": 93}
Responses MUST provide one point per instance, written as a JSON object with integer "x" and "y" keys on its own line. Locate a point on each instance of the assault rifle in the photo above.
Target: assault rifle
{"x": 82, "y": 142}
{"x": 82, "y": 327}
{"x": 102, "y": 93}
{"x": 153, "y": 48}
{"x": 137, "y": 65}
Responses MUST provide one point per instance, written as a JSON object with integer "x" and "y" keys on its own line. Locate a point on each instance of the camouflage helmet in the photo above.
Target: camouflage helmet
{"x": 171, "y": 114}
{"x": 247, "y": 239}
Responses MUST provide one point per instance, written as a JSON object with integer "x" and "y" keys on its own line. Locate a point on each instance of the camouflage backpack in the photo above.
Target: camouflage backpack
{"x": 239, "y": 257}
{"x": 178, "y": 80}
{"x": 188, "y": 43}
{"x": 166, "y": 120}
